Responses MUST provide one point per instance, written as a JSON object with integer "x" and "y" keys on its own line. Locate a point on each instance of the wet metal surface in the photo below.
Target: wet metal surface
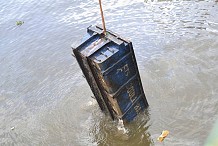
{"x": 46, "y": 101}
{"x": 111, "y": 72}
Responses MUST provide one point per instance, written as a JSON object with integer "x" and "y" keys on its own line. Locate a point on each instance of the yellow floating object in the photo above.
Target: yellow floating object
{"x": 163, "y": 135}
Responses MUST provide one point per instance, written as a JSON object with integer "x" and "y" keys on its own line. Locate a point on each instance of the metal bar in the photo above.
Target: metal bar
{"x": 102, "y": 18}
{"x": 101, "y": 91}
{"x": 90, "y": 79}
{"x": 136, "y": 66}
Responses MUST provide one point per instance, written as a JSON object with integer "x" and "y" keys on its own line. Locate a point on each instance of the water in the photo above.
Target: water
{"x": 44, "y": 100}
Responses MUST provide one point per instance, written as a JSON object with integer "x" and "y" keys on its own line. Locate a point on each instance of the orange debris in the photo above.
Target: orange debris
{"x": 163, "y": 135}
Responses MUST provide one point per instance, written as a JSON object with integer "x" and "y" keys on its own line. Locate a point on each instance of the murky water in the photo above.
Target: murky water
{"x": 44, "y": 100}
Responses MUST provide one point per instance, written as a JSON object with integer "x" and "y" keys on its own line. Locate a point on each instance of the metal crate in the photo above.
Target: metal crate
{"x": 109, "y": 65}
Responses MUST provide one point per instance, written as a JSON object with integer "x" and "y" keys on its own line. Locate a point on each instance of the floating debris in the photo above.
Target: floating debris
{"x": 12, "y": 128}
{"x": 163, "y": 135}
{"x": 19, "y": 23}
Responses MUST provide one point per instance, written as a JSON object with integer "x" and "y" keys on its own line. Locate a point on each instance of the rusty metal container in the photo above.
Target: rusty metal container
{"x": 109, "y": 65}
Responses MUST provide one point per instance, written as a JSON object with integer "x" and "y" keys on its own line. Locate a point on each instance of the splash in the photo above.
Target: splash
{"x": 121, "y": 128}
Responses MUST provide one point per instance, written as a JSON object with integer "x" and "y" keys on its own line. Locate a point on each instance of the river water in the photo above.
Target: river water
{"x": 44, "y": 100}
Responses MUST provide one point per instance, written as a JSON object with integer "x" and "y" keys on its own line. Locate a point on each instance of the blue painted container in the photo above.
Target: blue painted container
{"x": 109, "y": 65}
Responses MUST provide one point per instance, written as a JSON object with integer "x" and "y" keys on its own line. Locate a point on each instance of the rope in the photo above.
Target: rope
{"x": 102, "y": 18}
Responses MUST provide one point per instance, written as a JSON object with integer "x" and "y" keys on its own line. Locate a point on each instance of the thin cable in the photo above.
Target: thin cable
{"x": 102, "y": 18}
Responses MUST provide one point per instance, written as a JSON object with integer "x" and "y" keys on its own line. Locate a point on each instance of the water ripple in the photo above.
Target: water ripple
{"x": 47, "y": 101}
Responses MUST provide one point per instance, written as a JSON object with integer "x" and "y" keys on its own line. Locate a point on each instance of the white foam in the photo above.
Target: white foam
{"x": 120, "y": 127}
